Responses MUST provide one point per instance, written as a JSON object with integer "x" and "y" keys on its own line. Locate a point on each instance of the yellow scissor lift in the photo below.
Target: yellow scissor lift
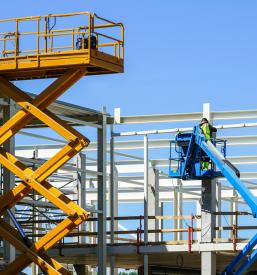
{"x": 39, "y": 47}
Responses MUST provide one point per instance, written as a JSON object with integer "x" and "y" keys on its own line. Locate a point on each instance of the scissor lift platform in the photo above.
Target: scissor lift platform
{"x": 39, "y": 47}
{"x": 34, "y": 48}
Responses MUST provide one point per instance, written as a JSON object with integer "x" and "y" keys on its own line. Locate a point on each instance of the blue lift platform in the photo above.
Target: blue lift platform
{"x": 192, "y": 150}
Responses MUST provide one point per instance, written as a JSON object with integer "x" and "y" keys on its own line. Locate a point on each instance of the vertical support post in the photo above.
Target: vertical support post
{"x": 81, "y": 187}
{"x": 178, "y": 210}
{"x": 208, "y": 223}
{"x": 101, "y": 194}
{"x": 199, "y": 221}
{"x": 208, "y": 258}
{"x": 113, "y": 200}
{"x": 233, "y": 208}
{"x": 93, "y": 224}
{"x": 81, "y": 183}
{"x": 157, "y": 204}
{"x": 218, "y": 208}
{"x": 146, "y": 167}
{"x": 208, "y": 207}
{"x": 161, "y": 221}
{"x": 8, "y": 177}
{"x": 151, "y": 202}
{"x": 93, "y": 227}
{"x": 175, "y": 212}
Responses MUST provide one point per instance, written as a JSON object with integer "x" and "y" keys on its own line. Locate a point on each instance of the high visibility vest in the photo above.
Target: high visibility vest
{"x": 206, "y": 131}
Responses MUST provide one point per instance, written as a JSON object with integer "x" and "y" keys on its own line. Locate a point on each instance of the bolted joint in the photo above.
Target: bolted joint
{"x": 27, "y": 180}
{"x": 27, "y": 106}
{"x": 84, "y": 142}
{"x": 84, "y": 216}
{"x": 74, "y": 142}
{"x": 73, "y": 214}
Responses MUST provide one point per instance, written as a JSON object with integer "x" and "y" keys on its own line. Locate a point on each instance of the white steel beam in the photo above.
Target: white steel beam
{"x": 196, "y": 116}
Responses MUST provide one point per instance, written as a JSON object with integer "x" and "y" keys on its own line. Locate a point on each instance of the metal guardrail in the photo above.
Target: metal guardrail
{"x": 189, "y": 229}
{"x": 37, "y": 35}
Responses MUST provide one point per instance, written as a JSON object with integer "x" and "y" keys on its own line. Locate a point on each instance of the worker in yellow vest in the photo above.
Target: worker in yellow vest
{"x": 207, "y": 130}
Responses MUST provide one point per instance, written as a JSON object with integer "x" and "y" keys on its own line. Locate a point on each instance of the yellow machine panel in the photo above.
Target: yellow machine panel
{"x": 40, "y": 47}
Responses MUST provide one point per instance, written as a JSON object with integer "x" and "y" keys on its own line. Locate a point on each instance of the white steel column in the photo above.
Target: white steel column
{"x": 161, "y": 221}
{"x": 113, "y": 201}
{"x": 81, "y": 183}
{"x": 175, "y": 212}
{"x": 157, "y": 204}
{"x": 199, "y": 221}
{"x": 208, "y": 258}
{"x": 151, "y": 202}
{"x": 178, "y": 209}
{"x": 101, "y": 196}
{"x": 146, "y": 167}
{"x": 81, "y": 187}
{"x": 233, "y": 208}
{"x": 218, "y": 209}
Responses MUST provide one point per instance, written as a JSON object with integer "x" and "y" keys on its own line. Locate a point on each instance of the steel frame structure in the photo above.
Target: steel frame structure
{"x": 138, "y": 188}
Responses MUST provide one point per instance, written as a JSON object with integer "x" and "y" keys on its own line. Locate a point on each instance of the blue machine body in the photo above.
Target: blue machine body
{"x": 192, "y": 149}
{"x": 190, "y": 157}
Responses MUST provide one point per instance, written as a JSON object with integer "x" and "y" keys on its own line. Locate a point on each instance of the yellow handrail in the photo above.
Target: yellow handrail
{"x": 18, "y": 42}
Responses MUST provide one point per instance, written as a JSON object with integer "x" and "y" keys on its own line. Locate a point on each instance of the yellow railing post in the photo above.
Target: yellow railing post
{"x": 89, "y": 34}
{"x": 38, "y": 41}
{"x": 45, "y": 34}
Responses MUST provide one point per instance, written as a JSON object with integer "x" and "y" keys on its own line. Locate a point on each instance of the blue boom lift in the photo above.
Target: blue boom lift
{"x": 191, "y": 150}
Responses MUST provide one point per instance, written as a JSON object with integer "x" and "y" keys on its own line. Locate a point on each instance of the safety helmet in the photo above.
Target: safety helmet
{"x": 204, "y": 120}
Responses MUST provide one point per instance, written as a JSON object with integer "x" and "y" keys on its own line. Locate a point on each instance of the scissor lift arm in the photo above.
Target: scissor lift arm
{"x": 53, "y": 54}
{"x": 37, "y": 180}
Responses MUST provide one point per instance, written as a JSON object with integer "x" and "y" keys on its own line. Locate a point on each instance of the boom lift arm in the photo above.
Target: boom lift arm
{"x": 227, "y": 170}
{"x": 193, "y": 149}
{"x": 190, "y": 158}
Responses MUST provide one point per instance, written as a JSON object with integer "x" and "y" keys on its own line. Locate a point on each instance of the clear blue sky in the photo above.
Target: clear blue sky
{"x": 179, "y": 54}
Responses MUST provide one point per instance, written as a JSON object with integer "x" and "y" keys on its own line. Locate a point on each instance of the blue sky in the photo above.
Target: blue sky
{"x": 179, "y": 54}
